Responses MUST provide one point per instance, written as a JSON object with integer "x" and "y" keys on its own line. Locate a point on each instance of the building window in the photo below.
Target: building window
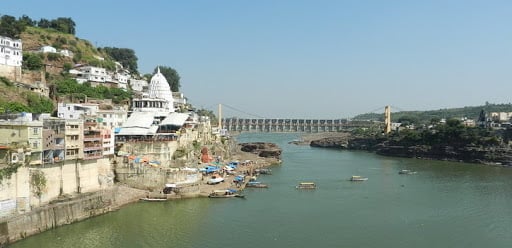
{"x": 36, "y": 130}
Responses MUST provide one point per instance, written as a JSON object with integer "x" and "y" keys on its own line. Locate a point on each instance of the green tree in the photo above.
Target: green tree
{"x": 26, "y": 21}
{"x": 10, "y": 27}
{"x": 44, "y": 23}
{"x": 64, "y": 24}
{"x": 172, "y": 77}
{"x": 125, "y": 56}
{"x": 32, "y": 61}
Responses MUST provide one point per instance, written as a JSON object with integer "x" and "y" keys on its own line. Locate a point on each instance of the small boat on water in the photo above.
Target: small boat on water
{"x": 358, "y": 178}
{"x": 264, "y": 171}
{"x": 148, "y": 199}
{"x": 256, "y": 184}
{"x": 306, "y": 185}
{"x": 225, "y": 193}
{"x": 406, "y": 172}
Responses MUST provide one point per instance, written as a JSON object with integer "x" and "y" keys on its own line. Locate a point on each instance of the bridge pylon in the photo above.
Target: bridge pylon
{"x": 387, "y": 119}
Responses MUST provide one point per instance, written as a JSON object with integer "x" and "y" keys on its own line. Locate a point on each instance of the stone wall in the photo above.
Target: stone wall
{"x": 12, "y": 73}
{"x": 66, "y": 178}
{"x": 66, "y": 212}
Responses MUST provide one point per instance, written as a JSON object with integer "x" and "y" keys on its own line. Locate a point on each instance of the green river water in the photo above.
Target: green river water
{"x": 444, "y": 205}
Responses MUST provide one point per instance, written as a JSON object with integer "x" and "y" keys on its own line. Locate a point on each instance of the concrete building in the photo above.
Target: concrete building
{"x": 11, "y": 53}
{"x": 94, "y": 75}
{"x": 74, "y": 140}
{"x": 54, "y": 140}
{"x": 138, "y": 85}
{"x": 24, "y": 133}
{"x": 93, "y": 140}
{"x": 48, "y": 49}
{"x": 76, "y": 110}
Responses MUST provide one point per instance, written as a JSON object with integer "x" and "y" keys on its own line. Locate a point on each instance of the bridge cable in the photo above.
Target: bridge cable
{"x": 241, "y": 111}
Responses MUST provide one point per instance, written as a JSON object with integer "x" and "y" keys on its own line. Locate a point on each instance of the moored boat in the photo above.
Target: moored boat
{"x": 149, "y": 199}
{"x": 306, "y": 185}
{"x": 358, "y": 178}
{"x": 264, "y": 171}
{"x": 225, "y": 193}
{"x": 215, "y": 180}
{"x": 256, "y": 184}
{"x": 406, "y": 172}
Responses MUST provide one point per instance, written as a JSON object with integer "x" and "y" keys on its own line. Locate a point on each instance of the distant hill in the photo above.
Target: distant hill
{"x": 427, "y": 116}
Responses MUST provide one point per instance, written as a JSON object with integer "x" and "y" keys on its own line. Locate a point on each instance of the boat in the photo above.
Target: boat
{"x": 215, "y": 180}
{"x": 306, "y": 185}
{"x": 406, "y": 172}
{"x": 358, "y": 178}
{"x": 225, "y": 193}
{"x": 256, "y": 184}
{"x": 149, "y": 199}
{"x": 263, "y": 171}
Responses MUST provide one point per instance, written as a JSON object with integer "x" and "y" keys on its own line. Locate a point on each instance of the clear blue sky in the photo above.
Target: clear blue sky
{"x": 311, "y": 59}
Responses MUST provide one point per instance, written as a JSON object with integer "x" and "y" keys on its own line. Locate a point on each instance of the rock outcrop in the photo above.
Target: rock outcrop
{"x": 262, "y": 149}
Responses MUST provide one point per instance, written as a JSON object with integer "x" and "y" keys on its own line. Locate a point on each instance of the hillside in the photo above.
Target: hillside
{"x": 471, "y": 112}
{"x": 84, "y": 52}
{"x": 50, "y": 69}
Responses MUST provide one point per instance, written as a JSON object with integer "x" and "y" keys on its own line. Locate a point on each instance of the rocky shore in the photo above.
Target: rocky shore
{"x": 496, "y": 155}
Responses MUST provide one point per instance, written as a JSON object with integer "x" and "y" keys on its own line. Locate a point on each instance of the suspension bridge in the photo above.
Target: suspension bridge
{"x": 262, "y": 124}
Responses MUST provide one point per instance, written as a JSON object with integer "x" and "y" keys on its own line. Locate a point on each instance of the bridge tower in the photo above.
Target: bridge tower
{"x": 387, "y": 119}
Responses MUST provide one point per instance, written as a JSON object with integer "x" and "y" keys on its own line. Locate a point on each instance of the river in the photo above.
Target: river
{"x": 445, "y": 204}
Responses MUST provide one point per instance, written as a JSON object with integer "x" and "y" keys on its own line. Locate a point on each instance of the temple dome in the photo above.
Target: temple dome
{"x": 159, "y": 88}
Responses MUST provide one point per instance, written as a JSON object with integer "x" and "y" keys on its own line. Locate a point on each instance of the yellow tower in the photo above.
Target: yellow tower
{"x": 387, "y": 119}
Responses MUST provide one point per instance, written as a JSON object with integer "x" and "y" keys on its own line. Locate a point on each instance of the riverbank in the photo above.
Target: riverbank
{"x": 500, "y": 155}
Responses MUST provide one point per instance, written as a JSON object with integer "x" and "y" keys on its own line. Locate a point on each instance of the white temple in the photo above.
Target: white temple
{"x": 158, "y": 99}
{"x": 153, "y": 114}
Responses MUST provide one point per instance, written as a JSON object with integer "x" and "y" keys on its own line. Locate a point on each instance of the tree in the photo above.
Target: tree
{"x": 125, "y": 56}
{"x": 10, "y": 27}
{"x": 64, "y": 24}
{"x": 172, "y": 77}
{"x": 32, "y": 61}
{"x": 44, "y": 23}
{"x": 26, "y": 21}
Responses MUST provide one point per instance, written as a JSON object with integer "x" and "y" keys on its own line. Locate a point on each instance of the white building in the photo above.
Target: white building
{"x": 138, "y": 85}
{"x": 159, "y": 99}
{"x": 76, "y": 110}
{"x": 153, "y": 113}
{"x": 65, "y": 52}
{"x": 10, "y": 51}
{"x": 122, "y": 79}
{"x": 48, "y": 49}
{"x": 92, "y": 74}
{"x": 112, "y": 118}
{"x": 501, "y": 116}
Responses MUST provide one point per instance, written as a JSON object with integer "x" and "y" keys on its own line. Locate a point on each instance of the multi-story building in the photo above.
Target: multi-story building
{"x": 76, "y": 110}
{"x": 111, "y": 118}
{"x": 94, "y": 75}
{"x": 10, "y": 51}
{"x": 93, "y": 140}
{"x": 53, "y": 140}
{"x": 74, "y": 140}
{"x": 22, "y": 133}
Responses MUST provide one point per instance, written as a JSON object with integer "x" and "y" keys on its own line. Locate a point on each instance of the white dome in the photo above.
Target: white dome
{"x": 159, "y": 88}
